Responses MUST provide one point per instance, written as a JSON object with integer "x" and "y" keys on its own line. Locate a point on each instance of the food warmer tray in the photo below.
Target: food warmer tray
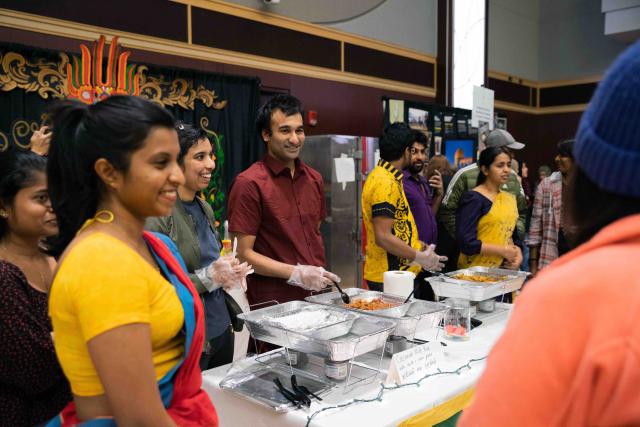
{"x": 416, "y": 313}
{"x": 421, "y": 315}
{"x": 506, "y": 281}
{"x": 364, "y": 334}
{"x": 257, "y": 386}
{"x": 333, "y": 299}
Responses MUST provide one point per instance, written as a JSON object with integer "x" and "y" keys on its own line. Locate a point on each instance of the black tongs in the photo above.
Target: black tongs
{"x": 297, "y": 398}
{"x": 300, "y": 394}
{"x": 300, "y": 389}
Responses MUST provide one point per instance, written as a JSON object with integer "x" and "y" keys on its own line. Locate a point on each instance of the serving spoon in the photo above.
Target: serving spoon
{"x": 343, "y": 294}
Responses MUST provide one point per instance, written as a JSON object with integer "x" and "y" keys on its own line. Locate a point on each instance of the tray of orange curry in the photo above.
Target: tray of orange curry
{"x": 409, "y": 316}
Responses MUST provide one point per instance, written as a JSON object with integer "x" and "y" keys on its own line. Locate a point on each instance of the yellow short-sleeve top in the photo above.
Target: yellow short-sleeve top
{"x": 383, "y": 195}
{"x": 102, "y": 284}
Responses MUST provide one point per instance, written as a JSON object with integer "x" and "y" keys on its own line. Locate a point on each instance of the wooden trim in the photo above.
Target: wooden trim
{"x": 539, "y": 84}
{"x": 511, "y": 79}
{"x": 575, "y": 108}
{"x": 582, "y": 80}
{"x": 502, "y": 105}
{"x": 74, "y": 30}
{"x": 305, "y": 27}
{"x": 189, "y": 27}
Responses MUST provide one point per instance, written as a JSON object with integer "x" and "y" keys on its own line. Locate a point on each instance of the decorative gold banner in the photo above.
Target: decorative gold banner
{"x": 53, "y": 79}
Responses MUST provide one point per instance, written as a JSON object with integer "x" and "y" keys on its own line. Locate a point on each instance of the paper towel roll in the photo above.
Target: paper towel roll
{"x": 398, "y": 282}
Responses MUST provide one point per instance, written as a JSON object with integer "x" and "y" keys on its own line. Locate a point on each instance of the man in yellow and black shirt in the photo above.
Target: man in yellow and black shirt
{"x": 392, "y": 235}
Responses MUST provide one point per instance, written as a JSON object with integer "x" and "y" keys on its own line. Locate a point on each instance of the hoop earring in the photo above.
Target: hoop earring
{"x": 104, "y": 217}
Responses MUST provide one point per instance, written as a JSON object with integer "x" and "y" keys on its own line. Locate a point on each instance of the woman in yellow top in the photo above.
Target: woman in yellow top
{"x": 486, "y": 217}
{"x": 128, "y": 323}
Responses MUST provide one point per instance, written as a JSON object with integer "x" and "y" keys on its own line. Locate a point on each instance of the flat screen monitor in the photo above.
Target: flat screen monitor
{"x": 460, "y": 152}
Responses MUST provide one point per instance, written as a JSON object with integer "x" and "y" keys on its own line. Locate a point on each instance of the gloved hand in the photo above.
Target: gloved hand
{"x": 311, "y": 277}
{"x": 429, "y": 259}
{"x": 226, "y": 272}
{"x": 240, "y": 273}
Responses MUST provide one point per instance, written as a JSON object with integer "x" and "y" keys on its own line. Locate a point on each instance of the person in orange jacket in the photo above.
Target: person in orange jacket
{"x": 570, "y": 355}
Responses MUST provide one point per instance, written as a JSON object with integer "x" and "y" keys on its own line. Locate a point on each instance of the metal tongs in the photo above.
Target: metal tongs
{"x": 302, "y": 389}
{"x": 292, "y": 397}
{"x": 438, "y": 274}
{"x": 300, "y": 394}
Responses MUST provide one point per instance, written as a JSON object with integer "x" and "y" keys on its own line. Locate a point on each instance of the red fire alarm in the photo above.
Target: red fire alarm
{"x": 312, "y": 117}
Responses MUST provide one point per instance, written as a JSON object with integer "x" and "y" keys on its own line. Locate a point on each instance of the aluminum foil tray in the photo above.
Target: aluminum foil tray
{"x": 365, "y": 333}
{"x": 421, "y": 315}
{"x": 506, "y": 281}
{"x": 333, "y": 299}
{"x": 257, "y": 386}
{"x": 339, "y": 327}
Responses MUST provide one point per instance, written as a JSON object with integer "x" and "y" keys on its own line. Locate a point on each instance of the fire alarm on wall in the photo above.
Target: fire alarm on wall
{"x": 312, "y": 117}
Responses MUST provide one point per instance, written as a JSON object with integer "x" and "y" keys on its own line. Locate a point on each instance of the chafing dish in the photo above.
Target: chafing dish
{"x": 333, "y": 299}
{"x": 409, "y": 316}
{"x": 363, "y": 334}
{"x": 505, "y": 281}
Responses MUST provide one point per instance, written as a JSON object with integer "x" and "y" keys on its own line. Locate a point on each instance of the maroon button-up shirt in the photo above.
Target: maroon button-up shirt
{"x": 284, "y": 214}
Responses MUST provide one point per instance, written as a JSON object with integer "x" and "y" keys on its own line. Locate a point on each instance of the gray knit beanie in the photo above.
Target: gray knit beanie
{"x": 607, "y": 145}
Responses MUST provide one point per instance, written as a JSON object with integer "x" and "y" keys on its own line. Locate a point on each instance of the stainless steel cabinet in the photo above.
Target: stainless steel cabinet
{"x": 342, "y": 230}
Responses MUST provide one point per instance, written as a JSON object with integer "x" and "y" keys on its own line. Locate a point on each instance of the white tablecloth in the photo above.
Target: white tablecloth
{"x": 396, "y": 405}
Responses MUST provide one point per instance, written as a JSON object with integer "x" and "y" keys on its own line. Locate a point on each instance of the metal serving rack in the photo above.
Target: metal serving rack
{"x": 410, "y": 316}
{"x": 353, "y": 336}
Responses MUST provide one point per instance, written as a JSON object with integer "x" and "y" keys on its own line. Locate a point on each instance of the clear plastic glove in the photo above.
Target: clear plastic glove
{"x": 240, "y": 272}
{"x": 227, "y": 272}
{"x": 429, "y": 259}
{"x": 311, "y": 277}
{"x": 205, "y": 279}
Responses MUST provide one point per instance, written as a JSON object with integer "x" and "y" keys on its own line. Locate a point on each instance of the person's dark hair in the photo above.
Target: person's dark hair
{"x": 188, "y": 135}
{"x": 487, "y": 157}
{"x": 288, "y": 104}
{"x": 420, "y": 138}
{"x": 396, "y": 138}
{"x": 587, "y": 208}
{"x": 565, "y": 148}
{"x": 18, "y": 169}
{"x": 111, "y": 129}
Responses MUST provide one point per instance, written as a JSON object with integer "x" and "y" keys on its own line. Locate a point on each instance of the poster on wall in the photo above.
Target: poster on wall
{"x": 462, "y": 125}
{"x": 438, "y": 145}
{"x": 483, "y": 102}
{"x": 396, "y": 111}
{"x": 437, "y": 124}
{"x": 449, "y": 129}
{"x": 459, "y": 152}
{"x": 418, "y": 119}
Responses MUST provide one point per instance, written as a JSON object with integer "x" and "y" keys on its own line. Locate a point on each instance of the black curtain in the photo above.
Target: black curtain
{"x": 234, "y": 124}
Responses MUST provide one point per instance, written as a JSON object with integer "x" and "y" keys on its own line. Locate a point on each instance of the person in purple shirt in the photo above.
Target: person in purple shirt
{"x": 425, "y": 197}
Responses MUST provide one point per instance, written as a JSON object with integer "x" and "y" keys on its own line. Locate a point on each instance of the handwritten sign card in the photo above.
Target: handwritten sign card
{"x": 412, "y": 364}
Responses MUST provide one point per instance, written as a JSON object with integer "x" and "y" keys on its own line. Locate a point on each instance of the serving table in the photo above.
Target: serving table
{"x": 435, "y": 400}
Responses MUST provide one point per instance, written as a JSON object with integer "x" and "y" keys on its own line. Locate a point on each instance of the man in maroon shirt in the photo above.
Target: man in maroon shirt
{"x": 275, "y": 209}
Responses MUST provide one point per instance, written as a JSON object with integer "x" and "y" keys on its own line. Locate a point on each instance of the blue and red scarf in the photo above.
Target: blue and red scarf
{"x": 186, "y": 403}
